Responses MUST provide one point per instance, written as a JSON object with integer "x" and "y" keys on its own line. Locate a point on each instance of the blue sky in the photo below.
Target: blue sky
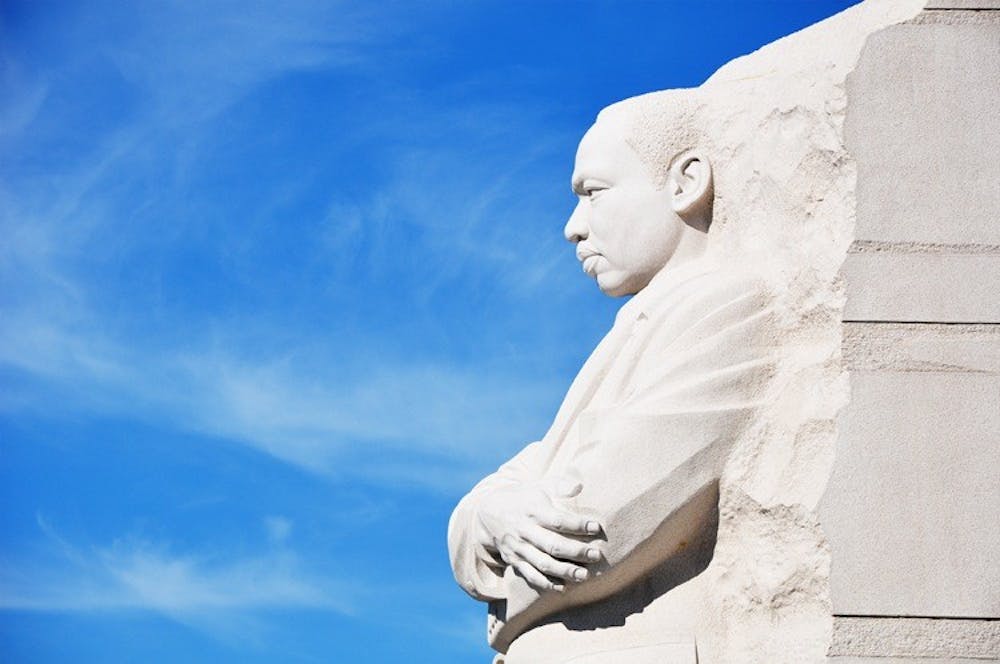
{"x": 278, "y": 283}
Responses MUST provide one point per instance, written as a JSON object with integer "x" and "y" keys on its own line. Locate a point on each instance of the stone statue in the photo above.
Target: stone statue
{"x": 589, "y": 541}
{"x": 783, "y": 452}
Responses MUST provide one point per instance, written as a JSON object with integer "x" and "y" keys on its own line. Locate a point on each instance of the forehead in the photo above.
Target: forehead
{"x": 604, "y": 152}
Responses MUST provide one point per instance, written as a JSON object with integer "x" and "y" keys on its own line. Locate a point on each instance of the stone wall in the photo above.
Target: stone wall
{"x": 912, "y": 511}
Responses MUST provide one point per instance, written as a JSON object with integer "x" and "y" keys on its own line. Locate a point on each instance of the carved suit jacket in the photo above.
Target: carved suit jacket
{"x": 645, "y": 428}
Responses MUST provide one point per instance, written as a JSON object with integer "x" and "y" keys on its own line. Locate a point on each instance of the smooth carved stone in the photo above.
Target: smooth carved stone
{"x": 923, "y": 287}
{"x": 914, "y": 502}
{"x": 921, "y": 96}
{"x": 912, "y": 507}
{"x": 682, "y": 475}
{"x": 646, "y": 427}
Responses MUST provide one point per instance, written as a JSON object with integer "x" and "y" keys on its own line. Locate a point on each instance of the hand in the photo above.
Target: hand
{"x": 531, "y": 534}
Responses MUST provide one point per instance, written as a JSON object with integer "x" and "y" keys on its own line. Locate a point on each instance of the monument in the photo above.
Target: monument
{"x": 785, "y": 449}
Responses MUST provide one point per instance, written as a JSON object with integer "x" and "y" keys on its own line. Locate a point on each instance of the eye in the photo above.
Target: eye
{"x": 589, "y": 188}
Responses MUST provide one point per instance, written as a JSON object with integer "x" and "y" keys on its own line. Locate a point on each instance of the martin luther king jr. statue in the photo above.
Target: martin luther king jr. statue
{"x": 588, "y": 544}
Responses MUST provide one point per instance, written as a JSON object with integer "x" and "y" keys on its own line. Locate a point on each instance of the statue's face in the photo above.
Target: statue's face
{"x": 624, "y": 227}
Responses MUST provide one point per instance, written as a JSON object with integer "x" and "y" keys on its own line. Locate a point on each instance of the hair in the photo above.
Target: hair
{"x": 659, "y": 126}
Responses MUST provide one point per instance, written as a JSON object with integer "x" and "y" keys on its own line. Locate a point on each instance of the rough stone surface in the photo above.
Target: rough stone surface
{"x": 903, "y": 660}
{"x": 916, "y": 637}
{"x": 922, "y": 347}
{"x": 872, "y": 94}
{"x": 912, "y": 508}
{"x": 963, "y": 4}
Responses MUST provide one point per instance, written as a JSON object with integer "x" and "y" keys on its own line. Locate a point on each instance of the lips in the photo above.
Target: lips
{"x": 589, "y": 258}
{"x": 590, "y": 265}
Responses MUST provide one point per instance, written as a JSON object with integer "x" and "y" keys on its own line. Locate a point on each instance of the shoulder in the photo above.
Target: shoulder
{"x": 714, "y": 292}
{"x": 715, "y": 311}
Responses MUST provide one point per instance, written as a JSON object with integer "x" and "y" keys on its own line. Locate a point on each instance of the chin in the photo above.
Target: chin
{"x": 615, "y": 285}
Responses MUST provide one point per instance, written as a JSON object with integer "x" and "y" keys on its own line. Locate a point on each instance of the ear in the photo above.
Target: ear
{"x": 690, "y": 182}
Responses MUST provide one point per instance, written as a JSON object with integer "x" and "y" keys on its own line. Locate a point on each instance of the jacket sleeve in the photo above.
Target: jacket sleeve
{"x": 476, "y": 566}
{"x": 650, "y": 465}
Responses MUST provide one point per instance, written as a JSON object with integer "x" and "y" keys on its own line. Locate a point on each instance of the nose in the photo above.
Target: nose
{"x": 576, "y": 227}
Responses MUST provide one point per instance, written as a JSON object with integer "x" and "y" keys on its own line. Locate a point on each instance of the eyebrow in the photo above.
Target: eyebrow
{"x": 576, "y": 184}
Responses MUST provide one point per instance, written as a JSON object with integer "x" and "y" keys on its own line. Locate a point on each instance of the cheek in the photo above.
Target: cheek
{"x": 631, "y": 226}
{"x": 652, "y": 234}
{"x": 613, "y": 216}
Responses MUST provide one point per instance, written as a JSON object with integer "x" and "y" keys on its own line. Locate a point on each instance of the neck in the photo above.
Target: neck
{"x": 691, "y": 251}
{"x": 692, "y": 246}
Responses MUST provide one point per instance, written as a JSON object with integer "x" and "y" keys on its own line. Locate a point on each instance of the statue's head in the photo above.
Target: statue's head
{"x": 644, "y": 184}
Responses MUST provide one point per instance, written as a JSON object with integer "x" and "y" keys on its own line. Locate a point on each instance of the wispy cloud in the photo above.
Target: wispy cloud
{"x": 218, "y": 594}
{"x": 21, "y": 95}
{"x": 278, "y": 528}
{"x": 429, "y": 414}
{"x": 190, "y": 60}
{"x": 97, "y": 248}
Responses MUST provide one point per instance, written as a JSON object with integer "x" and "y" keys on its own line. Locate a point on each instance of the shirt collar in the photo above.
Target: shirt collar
{"x": 640, "y": 304}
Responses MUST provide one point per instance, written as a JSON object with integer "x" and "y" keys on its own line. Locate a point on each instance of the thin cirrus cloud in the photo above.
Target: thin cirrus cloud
{"x": 440, "y": 411}
{"x": 218, "y": 594}
{"x": 67, "y": 224}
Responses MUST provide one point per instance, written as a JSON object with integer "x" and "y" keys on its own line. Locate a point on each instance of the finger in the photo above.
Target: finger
{"x": 505, "y": 547}
{"x": 560, "y": 547}
{"x": 567, "y": 522}
{"x": 533, "y": 577}
{"x": 548, "y": 565}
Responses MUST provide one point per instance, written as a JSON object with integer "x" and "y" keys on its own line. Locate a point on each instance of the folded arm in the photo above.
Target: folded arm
{"x": 512, "y": 519}
{"x": 650, "y": 465}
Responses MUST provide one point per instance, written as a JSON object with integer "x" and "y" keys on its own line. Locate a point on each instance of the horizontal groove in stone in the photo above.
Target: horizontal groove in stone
{"x": 910, "y": 617}
{"x": 927, "y": 347}
{"x": 915, "y": 637}
{"x": 955, "y": 16}
{"x": 898, "y": 247}
{"x": 962, "y": 9}
{"x": 963, "y": 5}
{"x": 918, "y": 323}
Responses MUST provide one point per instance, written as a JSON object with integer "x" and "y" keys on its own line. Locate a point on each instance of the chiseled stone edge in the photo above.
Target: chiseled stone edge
{"x": 922, "y": 288}
{"x": 957, "y": 16}
{"x": 891, "y": 247}
{"x": 967, "y": 5}
{"x": 922, "y": 347}
{"x": 905, "y": 660}
{"x": 916, "y": 637}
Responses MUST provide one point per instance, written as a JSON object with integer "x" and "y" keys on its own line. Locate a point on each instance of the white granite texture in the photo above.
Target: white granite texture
{"x": 913, "y": 508}
{"x": 916, "y": 638}
{"x": 712, "y": 546}
{"x": 964, "y": 4}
